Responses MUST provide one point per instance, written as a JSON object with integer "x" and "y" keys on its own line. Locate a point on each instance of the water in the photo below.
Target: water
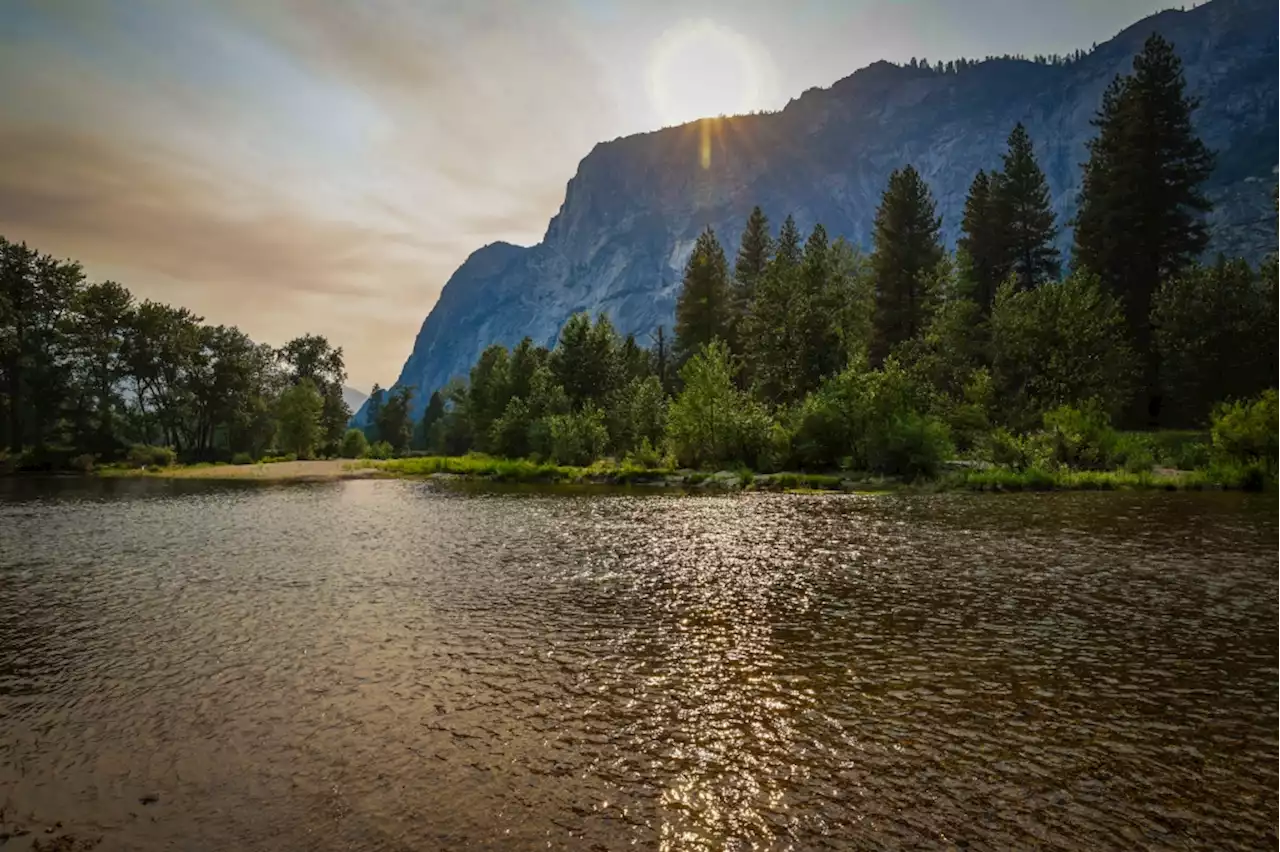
{"x": 380, "y": 665}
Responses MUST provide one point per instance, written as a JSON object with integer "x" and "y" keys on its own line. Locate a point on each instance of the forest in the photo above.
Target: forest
{"x": 90, "y": 375}
{"x": 809, "y": 354}
{"x": 803, "y": 354}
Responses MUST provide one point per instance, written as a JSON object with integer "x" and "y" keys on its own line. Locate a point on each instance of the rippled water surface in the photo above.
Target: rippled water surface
{"x": 380, "y": 665}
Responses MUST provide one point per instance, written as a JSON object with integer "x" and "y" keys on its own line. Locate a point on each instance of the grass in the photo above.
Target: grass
{"x": 1236, "y": 477}
{"x": 1248, "y": 477}
{"x": 517, "y": 470}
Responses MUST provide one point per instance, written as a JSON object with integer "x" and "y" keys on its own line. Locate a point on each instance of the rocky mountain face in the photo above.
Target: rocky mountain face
{"x": 353, "y": 398}
{"x": 632, "y": 212}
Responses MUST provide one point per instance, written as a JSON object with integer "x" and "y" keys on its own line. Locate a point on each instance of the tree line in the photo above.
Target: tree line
{"x": 807, "y": 352}
{"x": 87, "y": 371}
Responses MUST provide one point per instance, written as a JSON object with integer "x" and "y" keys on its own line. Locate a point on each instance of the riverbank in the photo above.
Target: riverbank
{"x": 321, "y": 470}
{"x": 476, "y": 468}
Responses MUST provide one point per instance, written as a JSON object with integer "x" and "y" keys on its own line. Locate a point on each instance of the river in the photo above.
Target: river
{"x": 387, "y": 665}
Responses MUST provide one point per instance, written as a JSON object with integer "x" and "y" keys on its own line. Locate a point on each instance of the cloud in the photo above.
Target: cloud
{"x": 126, "y": 205}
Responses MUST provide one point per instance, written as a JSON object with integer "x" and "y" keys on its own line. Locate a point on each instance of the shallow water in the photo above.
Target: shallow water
{"x": 386, "y": 665}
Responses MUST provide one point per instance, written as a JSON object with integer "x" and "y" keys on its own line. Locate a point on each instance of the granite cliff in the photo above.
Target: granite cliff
{"x": 630, "y": 215}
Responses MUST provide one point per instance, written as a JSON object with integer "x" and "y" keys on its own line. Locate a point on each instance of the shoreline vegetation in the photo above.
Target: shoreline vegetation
{"x": 475, "y": 468}
{"x": 1137, "y": 362}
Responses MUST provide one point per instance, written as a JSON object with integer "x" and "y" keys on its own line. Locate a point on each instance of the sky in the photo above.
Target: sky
{"x": 295, "y": 166}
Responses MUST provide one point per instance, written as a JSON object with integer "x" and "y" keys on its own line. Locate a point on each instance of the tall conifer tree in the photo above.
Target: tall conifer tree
{"x": 1022, "y": 206}
{"x": 753, "y": 258}
{"x": 907, "y": 251}
{"x": 980, "y": 240}
{"x": 703, "y": 310}
{"x": 1140, "y": 216}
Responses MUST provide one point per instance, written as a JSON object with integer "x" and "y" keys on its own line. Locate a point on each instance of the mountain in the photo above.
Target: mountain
{"x": 353, "y": 398}
{"x": 632, "y": 212}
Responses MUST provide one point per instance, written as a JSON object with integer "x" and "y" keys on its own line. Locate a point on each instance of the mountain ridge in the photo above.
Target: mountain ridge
{"x": 633, "y": 209}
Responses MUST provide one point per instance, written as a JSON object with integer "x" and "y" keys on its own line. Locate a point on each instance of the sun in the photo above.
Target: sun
{"x": 700, "y": 69}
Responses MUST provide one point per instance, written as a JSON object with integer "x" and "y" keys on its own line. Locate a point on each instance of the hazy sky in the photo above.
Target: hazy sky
{"x": 311, "y": 165}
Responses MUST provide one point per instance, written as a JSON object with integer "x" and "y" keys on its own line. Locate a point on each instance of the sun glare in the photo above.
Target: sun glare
{"x": 699, "y": 69}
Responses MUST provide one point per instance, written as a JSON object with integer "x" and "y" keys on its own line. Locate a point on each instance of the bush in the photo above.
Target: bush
{"x": 380, "y": 450}
{"x": 712, "y": 423}
{"x": 645, "y": 456}
{"x": 579, "y": 438}
{"x": 354, "y": 444}
{"x": 1080, "y": 437}
{"x": 145, "y": 455}
{"x": 242, "y": 458}
{"x": 910, "y": 445}
{"x": 286, "y": 457}
{"x": 1132, "y": 451}
{"x": 870, "y": 420}
{"x": 84, "y": 462}
{"x": 1245, "y": 432}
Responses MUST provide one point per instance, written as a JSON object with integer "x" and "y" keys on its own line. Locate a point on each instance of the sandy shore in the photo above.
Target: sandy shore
{"x": 312, "y": 471}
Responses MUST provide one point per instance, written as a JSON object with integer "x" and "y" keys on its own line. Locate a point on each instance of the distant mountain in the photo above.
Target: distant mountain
{"x": 632, "y": 212}
{"x": 354, "y": 399}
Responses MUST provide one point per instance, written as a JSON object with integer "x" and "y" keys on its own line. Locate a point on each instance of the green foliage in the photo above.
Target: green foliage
{"x": 380, "y": 450}
{"x": 1247, "y": 432}
{"x": 1080, "y": 437}
{"x": 578, "y": 438}
{"x": 298, "y": 413}
{"x": 981, "y": 241}
{"x": 354, "y": 444}
{"x": 245, "y": 458}
{"x": 312, "y": 358}
{"x": 145, "y": 455}
{"x": 1140, "y": 214}
{"x": 754, "y": 256}
{"x": 647, "y": 456}
{"x": 84, "y": 462}
{"x": 712, "y": 423}
{"x": 586, "y": 362}
{"x": 1060, "y": 344}
{"x": 870, "y": 420}
{"x": 704, "y": 309}
{"x": 1021, "y": 201}
{"x": 1215, "y": 335}
{"x": 395, "y": 419}
{"x": 907, "y": 250}
{"x": 490, "y": 391}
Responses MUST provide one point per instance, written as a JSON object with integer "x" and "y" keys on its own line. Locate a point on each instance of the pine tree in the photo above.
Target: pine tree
{"x": 703, "y": 309}
{"x": 773, "y": 337}
{"x": 1021, "y": 197}
{"x": 661, "y": 350}
{"x": 788, "y": 248}
{"x": 1140, "y": 218}
{"x": 980, "y": 240}
{"x": 906, "y": 251}
{"x": 817, "y": 314}
{"x": 753, "y": 258}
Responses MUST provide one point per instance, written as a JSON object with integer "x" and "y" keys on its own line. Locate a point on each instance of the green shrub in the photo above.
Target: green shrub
{"x": 1182, "y": 449}
{"x": 1245, "y": 432}
{"x": 870, "y": 420}
{"x": 380, "y": 450}
{"x": 712, "y": 423}
{"x": 1080, "y": 437}
{"x": 579, "y": 438}
{"x": 1131, "y": 451}
{"x": 645, "y": 456}
{"x": 145, "y": 455}
{"x": 354, "y": 444}
{"x": 242, "y": 458}
{"x": 911, "y": 444}
{"x": 84, "y": 462}
{"x": 286, "y": 457}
